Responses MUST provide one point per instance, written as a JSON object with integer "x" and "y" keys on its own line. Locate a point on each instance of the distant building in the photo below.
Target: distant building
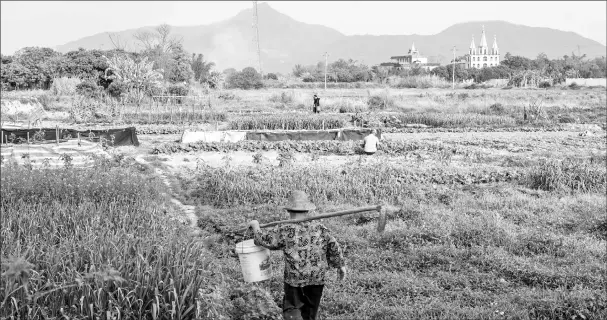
{"x": 482, "y": 56}
{"x": 412, "y": 58}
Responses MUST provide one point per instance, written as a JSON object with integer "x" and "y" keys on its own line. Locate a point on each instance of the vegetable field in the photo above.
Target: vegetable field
{"x": 490, "y": 215}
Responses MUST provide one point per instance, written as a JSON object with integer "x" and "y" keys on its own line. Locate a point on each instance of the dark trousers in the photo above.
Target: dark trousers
{"x": 315, "y": 109}
{"x": 301, "y": 303}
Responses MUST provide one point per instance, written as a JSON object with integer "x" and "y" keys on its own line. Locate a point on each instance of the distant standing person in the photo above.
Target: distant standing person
{"x": 316, "y": 108}
{"x": 370, "y": 142}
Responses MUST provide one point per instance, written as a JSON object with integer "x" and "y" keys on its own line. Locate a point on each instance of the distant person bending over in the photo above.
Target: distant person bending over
{"x": 309, "y": 248}
{"x": 370, "y": 142}
{"x": 316, "y": 108}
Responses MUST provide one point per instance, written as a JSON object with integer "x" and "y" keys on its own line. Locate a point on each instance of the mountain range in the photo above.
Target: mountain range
{"x": 285, "y": 42}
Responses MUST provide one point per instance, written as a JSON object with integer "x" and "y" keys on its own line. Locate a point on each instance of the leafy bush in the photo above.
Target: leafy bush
{"x": 88, "y": 89}
{"x": 178, "y": 90}
{"x": 574, "y": 86}
{"x": 248, "y": 78}
{"x": 117, "y": 89}
{"x": 271, "y": 76}
{"x": 544, "y": 84}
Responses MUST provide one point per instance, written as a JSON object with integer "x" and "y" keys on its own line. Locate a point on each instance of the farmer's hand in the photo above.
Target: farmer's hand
{"x": 254, "y": 224}
{"x": 342, "y": 272}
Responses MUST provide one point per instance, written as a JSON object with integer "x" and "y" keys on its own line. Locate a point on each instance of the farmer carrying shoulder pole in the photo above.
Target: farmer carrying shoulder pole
{"x": 316, "y": 108}
{"x": 308, "y": 248}
{"x": 370, "y": 142}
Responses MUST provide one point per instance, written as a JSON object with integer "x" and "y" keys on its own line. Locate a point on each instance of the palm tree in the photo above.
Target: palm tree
{"x": 201, "y": 68}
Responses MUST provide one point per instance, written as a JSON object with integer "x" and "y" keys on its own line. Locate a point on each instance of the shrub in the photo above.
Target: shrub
{"x": 117, "y": 89}
{"x": 463, "y": 96}
{"x": 283, "y": 97}
{"x": 574, "y": 86}
{"x": 381, "y": 102}
{"x": 271, "y": 76}
{"x": 544, "y": 84}
{"x": 88, "y": 89}
{"x": 248, "y": 78}
{"x": 497, "y": 108}
{"x": 178, "y": 90}
{"x": 64, "y": 86}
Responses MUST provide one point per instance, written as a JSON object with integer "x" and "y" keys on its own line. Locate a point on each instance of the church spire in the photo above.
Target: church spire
{"x": 495, "y": 49}
{"x": 472, "y": 46}
{"x": 482, "y": 47}
{"x": 483, "y": 43}
{"x": 413, "y": 50}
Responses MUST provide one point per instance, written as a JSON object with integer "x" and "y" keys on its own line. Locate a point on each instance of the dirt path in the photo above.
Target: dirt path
{"x": 187, "y": 212}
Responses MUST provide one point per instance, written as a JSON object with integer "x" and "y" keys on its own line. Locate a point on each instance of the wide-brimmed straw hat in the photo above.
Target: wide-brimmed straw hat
{"x": 298, "y": 201}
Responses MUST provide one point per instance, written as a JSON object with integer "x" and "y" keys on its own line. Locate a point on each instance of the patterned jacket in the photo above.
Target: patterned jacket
{"x": 308, "y": 249}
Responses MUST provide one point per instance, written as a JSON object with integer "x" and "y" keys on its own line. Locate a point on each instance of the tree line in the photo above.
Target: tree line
{"x": 554, "y": 71}
{"x": 36, "y": 67}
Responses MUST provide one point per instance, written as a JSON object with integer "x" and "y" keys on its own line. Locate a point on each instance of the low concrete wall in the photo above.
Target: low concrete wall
{"x": 587, "y": 82}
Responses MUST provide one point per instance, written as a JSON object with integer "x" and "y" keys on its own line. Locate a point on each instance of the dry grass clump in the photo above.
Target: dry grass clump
{"x": 420, "y": 82}
{"x": 570, "y": 175}
{"x": 64, "y": 86}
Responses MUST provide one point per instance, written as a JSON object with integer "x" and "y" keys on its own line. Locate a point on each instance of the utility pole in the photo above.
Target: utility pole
{"x": 453, "y": 69}
{"x": 255, "y": 25}
{"x": 326, "y": 55}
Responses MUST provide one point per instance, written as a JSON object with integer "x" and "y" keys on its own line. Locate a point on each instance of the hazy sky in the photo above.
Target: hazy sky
{"x": 52, "y": 23}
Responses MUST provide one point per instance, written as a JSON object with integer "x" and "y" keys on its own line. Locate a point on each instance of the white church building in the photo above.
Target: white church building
{"x": 481, "y": 56}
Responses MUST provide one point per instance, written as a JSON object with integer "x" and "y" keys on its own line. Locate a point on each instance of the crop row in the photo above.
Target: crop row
{"x": 289, "y": 121}
{"x": 364, "y": 183}
{"x": 446, "y": 120}
{"x": 321, "y": 146}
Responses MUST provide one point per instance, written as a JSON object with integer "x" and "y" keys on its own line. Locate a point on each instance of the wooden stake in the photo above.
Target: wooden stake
{"x": 28, "y": 137}
{"x": 57, "y": 135}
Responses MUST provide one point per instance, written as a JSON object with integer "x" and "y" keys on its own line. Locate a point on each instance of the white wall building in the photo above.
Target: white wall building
{"x": 482, "y": 56}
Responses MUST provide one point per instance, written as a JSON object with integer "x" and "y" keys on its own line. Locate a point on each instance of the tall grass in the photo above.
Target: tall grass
{"x": 420, "y": 82}
{"x": 570, "y": 175}
{"x": 94, "y": 243}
